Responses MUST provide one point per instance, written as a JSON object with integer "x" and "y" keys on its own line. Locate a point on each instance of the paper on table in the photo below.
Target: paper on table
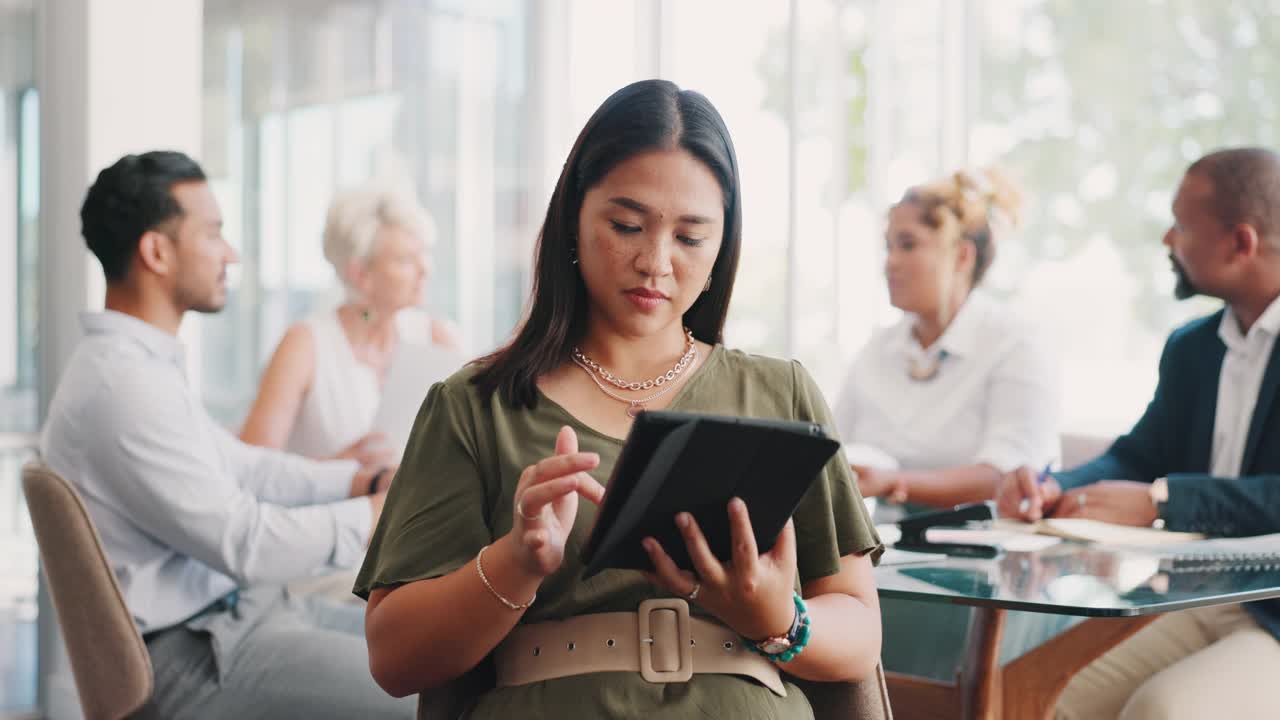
{"x": 894, "y": 556}
{"x": 1012, "y": 539}
{"x": 1009, "y": 540}
{"x": 1096, "y": 531}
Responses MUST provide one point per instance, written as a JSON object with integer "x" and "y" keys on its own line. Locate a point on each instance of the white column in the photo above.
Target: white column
{"x": 8, "y": 235}
{"x": 115, "y": 77}
{"x": 547, "y": 134}
{"x": 791, "y": 302}
{"x": 476, "y": 185}
{"x": 553, "y": 127}
{"x": 652, "y": 27}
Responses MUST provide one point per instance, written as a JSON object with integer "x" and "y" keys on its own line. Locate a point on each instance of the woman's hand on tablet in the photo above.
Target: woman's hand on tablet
{"x": 546, "y": 503}
{"x": 752, "y": 594}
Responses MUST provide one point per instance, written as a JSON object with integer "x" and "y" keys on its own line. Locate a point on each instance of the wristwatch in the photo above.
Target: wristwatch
{"x": 1159, "y": 494}
{"x": 782, "y": 648}
{"x": 778, "y": 644}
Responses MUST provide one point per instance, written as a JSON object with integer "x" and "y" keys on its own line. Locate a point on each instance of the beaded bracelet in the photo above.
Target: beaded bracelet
{"x": 503, "y": 600}
{"x": 801, "y": 639}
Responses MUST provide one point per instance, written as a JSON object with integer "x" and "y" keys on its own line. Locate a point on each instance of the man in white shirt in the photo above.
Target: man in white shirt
{"x": 1204, "y": 457}
{"x": 202, "y": 530}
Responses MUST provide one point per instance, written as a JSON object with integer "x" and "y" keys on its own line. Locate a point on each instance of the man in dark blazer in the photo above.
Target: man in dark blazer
{"x": 1204, "y": 457}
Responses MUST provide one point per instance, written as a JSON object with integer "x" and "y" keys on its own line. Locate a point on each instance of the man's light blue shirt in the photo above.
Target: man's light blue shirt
{"x": 186, "y": 511}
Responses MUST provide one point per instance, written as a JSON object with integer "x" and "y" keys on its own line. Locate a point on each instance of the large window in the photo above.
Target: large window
{"x": 19, "y": 203}
{"x": 836, "y": 106}
{"x": 735, "y": 77}
{"x": 306, "y": 98}
{"x": 1100, "y": 107}
{"x": 19, "y": 199}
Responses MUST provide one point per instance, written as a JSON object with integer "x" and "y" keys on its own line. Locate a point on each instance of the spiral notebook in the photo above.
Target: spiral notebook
{"x": 1261, "y": 552}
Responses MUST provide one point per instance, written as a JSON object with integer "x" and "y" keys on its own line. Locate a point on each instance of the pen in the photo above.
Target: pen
{"x": 1040, "y": 478}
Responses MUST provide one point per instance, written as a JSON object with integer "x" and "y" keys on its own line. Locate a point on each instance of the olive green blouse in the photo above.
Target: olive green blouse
{"x": 453, "y": 495}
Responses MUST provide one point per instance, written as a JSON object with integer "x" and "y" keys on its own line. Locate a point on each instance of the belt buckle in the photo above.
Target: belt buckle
{"x": 683, "y": 639}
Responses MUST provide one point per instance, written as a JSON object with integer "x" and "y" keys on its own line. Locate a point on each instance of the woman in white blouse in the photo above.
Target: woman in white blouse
{"x": 321, "y": 391}
{"x": 962, "y": 389}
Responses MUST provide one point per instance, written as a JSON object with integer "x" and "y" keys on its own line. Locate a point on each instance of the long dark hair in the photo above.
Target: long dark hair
{"x": 643, "y": 116}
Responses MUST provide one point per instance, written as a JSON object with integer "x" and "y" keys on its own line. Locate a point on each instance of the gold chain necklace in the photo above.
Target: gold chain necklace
{"x": 690, "y": 351}
{"x": 635, "y": 406}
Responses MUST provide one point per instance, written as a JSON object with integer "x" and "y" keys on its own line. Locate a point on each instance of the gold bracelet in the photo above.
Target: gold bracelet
{"x": 485, "y": 580}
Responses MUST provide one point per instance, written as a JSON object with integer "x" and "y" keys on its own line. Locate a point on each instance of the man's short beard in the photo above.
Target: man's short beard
{"x": 204, "y": 305}
{"x": 208, "y": 308}
{"x": 1184, "y": 288}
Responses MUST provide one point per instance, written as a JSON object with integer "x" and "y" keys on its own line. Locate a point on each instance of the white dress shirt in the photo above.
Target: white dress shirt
{"x": 1239, "y": 383}
{"x": 994, "y": 400}
{"x": 186, "y": 511}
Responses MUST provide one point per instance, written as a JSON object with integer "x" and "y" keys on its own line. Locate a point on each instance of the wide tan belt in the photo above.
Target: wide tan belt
{"x": 660, "y": 641}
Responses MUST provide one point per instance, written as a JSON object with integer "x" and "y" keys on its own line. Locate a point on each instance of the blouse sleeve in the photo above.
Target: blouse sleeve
{"x": 435, "y": 517}
{"x": 1022, "y": 407}
{"x": 831, "y": 521}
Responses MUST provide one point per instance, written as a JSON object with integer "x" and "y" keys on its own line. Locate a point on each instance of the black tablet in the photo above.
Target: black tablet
{"x": 674, "y": 462}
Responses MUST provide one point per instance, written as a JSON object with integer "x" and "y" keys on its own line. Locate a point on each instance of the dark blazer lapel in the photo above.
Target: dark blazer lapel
{"x": 1204, "y": 407}
{"x": 1266, "y": 398}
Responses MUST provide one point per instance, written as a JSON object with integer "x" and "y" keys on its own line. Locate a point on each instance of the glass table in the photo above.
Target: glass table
{"x": 1120, "y": 591}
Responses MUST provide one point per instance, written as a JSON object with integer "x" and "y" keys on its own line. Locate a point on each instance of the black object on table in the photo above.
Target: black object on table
{"x": 915, "y": 526}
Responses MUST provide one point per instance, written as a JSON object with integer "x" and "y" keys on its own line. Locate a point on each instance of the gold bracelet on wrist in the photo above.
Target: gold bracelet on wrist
{"x": 503, "y": 600}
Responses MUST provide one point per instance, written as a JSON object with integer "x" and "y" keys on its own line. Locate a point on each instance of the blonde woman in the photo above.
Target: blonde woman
{"x": 959, "y": 391}
{"x": 322, "y": 388}
{"x": 962, "y": 389}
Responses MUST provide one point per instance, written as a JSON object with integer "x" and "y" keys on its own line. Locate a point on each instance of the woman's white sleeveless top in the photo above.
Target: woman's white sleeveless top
{"x": 340, "y": 406}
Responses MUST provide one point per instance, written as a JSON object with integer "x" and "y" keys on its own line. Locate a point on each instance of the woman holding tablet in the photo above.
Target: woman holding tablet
{"x": 477, "y": 553}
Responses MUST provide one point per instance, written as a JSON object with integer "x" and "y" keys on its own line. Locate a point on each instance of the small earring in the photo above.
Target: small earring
{"x": 366, "y": 314}
{"x": 708, "y": 285}
{"x": 573, "y": 256}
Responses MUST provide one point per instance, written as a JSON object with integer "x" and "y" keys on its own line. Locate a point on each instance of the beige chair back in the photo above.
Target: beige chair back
{"x": 108, "y": 658}
{"x": 864, "y": 700}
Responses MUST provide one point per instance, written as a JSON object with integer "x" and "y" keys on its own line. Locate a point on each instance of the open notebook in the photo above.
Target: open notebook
{"x": 1096, "y": 531}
